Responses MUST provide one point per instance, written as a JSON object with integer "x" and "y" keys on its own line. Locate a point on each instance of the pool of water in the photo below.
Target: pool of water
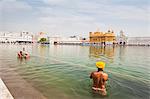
{"x": 62, "y": 71}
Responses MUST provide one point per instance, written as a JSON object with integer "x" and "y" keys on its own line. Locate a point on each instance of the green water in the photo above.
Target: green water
{"x": 63, "y": 71}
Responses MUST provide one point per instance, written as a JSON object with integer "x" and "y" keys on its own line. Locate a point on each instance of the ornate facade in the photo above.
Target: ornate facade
{"x": 122, "y": 38}
{"x": 102, "y": 38}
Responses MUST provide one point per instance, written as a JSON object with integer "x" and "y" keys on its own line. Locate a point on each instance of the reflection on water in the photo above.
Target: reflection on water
{"x": 97, "y": 51}
{"x": 43, "y": 49}
{"x": 122, "y": 50}
{"x": 63, "y": 71}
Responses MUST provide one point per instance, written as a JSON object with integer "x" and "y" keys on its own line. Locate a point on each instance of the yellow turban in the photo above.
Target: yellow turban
{"x": 100, "y": 64}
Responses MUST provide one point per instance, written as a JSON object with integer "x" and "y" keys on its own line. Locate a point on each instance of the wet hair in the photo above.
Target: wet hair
{"x": 100, "y": 69}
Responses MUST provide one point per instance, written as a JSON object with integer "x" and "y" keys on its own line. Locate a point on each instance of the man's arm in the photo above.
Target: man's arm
{"x": 105, "y": 76}
{"x": 91, "y": 75}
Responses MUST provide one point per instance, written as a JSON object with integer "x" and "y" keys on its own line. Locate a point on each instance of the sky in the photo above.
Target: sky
{"x": 76, "y": 17}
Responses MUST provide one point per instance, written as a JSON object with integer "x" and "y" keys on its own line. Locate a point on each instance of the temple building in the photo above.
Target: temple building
{"x": 122, "y": 38}
{"x": 102, "y": 38}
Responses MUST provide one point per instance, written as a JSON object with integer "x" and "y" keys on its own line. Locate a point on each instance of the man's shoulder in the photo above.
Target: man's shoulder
{"x": 105, "y": 76}
{"x": 93, "y": 72}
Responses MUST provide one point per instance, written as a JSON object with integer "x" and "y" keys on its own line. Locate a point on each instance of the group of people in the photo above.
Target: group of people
{"x": 99, "y": 77}
{"x": 23, "y": 54}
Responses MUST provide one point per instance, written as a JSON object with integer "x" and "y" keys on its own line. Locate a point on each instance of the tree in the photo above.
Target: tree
{"x": 43, "y": 40}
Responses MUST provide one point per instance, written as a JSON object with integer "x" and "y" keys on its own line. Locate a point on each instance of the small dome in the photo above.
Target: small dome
{"x": 108, "y": 30}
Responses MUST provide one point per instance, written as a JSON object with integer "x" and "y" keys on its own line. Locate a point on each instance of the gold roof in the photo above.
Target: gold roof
{"x": 96, "y": 34}
{"x": 109, "y": 34}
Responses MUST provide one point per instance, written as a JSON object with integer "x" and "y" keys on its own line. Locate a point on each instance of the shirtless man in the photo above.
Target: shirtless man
{"x": 20, "y": 54}
{"x": 99, "y": 78}
{"x": 23, "y": 54}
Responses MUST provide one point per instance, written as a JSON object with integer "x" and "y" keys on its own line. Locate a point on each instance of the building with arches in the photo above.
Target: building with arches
{"x": 102, "y": 38}
{"x": 122, "y": 38}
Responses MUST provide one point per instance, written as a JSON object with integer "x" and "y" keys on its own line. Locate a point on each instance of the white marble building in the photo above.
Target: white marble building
{"x": 122, "y": 38}
{"x": 65, "y": 40}
{"x": 138, "y": 41}
{"x": 10, "y": 37}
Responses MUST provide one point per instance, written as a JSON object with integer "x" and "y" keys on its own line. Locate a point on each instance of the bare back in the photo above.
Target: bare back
{"x": 99, "y": 79}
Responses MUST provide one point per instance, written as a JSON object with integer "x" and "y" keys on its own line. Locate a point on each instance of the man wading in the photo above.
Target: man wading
{"x": 99, "y": 78}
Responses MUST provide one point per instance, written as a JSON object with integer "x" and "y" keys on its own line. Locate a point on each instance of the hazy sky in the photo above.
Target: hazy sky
{"x": 75, "y": 17}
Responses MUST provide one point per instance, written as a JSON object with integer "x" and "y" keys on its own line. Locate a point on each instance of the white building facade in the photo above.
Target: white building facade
{"x": 122, "y": 38}
{"x": 138, "y": 41}
{"x": 10, "y": 37}
{"x": 65, "y": 40}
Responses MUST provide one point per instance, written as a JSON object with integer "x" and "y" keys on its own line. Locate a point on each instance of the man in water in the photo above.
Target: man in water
{"x": 23, "y": 50}
{"x": 22, "y": 54}
{"x": 99, "y": 78}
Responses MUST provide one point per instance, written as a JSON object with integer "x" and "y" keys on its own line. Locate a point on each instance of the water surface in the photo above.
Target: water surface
{"x": 62, "y": 71}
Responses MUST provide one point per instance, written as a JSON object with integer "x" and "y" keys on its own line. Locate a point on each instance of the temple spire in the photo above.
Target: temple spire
{"x": 98, "y": 30}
